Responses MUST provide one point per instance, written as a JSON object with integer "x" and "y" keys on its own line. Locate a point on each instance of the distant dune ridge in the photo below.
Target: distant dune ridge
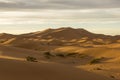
{"x": 62, "y": 54}
{"x": 60, "y": 36}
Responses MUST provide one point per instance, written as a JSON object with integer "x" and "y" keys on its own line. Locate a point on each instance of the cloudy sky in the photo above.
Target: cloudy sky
{"x": 21, "y": 16}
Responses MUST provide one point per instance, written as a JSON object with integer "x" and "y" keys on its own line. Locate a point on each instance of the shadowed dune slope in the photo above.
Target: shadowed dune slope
{"x": 19, "y": 70}
{"x": 17, "y": 53}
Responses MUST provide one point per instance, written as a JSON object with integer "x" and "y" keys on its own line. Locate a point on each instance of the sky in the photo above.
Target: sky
{"x": 24, "y": 16}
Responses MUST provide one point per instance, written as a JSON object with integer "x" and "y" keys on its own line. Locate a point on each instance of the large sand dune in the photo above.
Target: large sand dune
{"x": 14, "y": 65}
{"x": 19, "y": 70}
{"x": 80, "y": 46}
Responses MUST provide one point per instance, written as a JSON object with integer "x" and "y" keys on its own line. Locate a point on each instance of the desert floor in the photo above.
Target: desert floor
{"x": 72, "y": 63}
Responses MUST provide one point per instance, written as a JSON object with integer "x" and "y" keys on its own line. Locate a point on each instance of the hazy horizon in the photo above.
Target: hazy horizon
{"x": 22, "y": 30}
{"x": 23, "y": 16}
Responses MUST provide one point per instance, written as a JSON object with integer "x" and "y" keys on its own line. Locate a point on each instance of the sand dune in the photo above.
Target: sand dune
{"x": 16, "y": 56}
{"x": 18, "y": 53}
{"x": 58, "y": 37}
{"x": 71, "y": 51}
{"x": 19, "y": 70}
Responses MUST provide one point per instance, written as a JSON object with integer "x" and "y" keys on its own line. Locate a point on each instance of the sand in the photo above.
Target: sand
{"x": 20, "y": 70}
{"x": 87, "y": 46}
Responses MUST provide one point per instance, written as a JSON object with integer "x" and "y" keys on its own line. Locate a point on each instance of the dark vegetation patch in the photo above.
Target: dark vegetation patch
{"x": 112, "y": 76}
{"x": 48, "y": 55}
{"x": 31, "y": 59}
{"x": 60, "y": 55}
{"x": 96, "y": 60}
{"x": 97, "y": 68}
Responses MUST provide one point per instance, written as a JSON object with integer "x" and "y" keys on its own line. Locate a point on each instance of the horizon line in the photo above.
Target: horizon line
{"x": 55, "y": 29}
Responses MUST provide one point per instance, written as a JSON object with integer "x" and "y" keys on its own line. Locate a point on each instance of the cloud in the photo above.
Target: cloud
{"x": 59, "y": 16}
{"x": 58, "y": 4}
{"x": 63, "y": 14}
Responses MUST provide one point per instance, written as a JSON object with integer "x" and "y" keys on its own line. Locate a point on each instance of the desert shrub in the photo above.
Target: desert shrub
{"x": 71, "y": 54}
{"x": 31, "y": 59}
{"x": 60, "y": 55}
{"x": 98, "y": 68}
{"x": 112, "y": 76}
{"x": 95, "y": 61}
{"x": 1, "y": 41}
{"x": 48, "y": 55}
{"x": 76, "y": 55}
{"x": 83, "y": 55}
